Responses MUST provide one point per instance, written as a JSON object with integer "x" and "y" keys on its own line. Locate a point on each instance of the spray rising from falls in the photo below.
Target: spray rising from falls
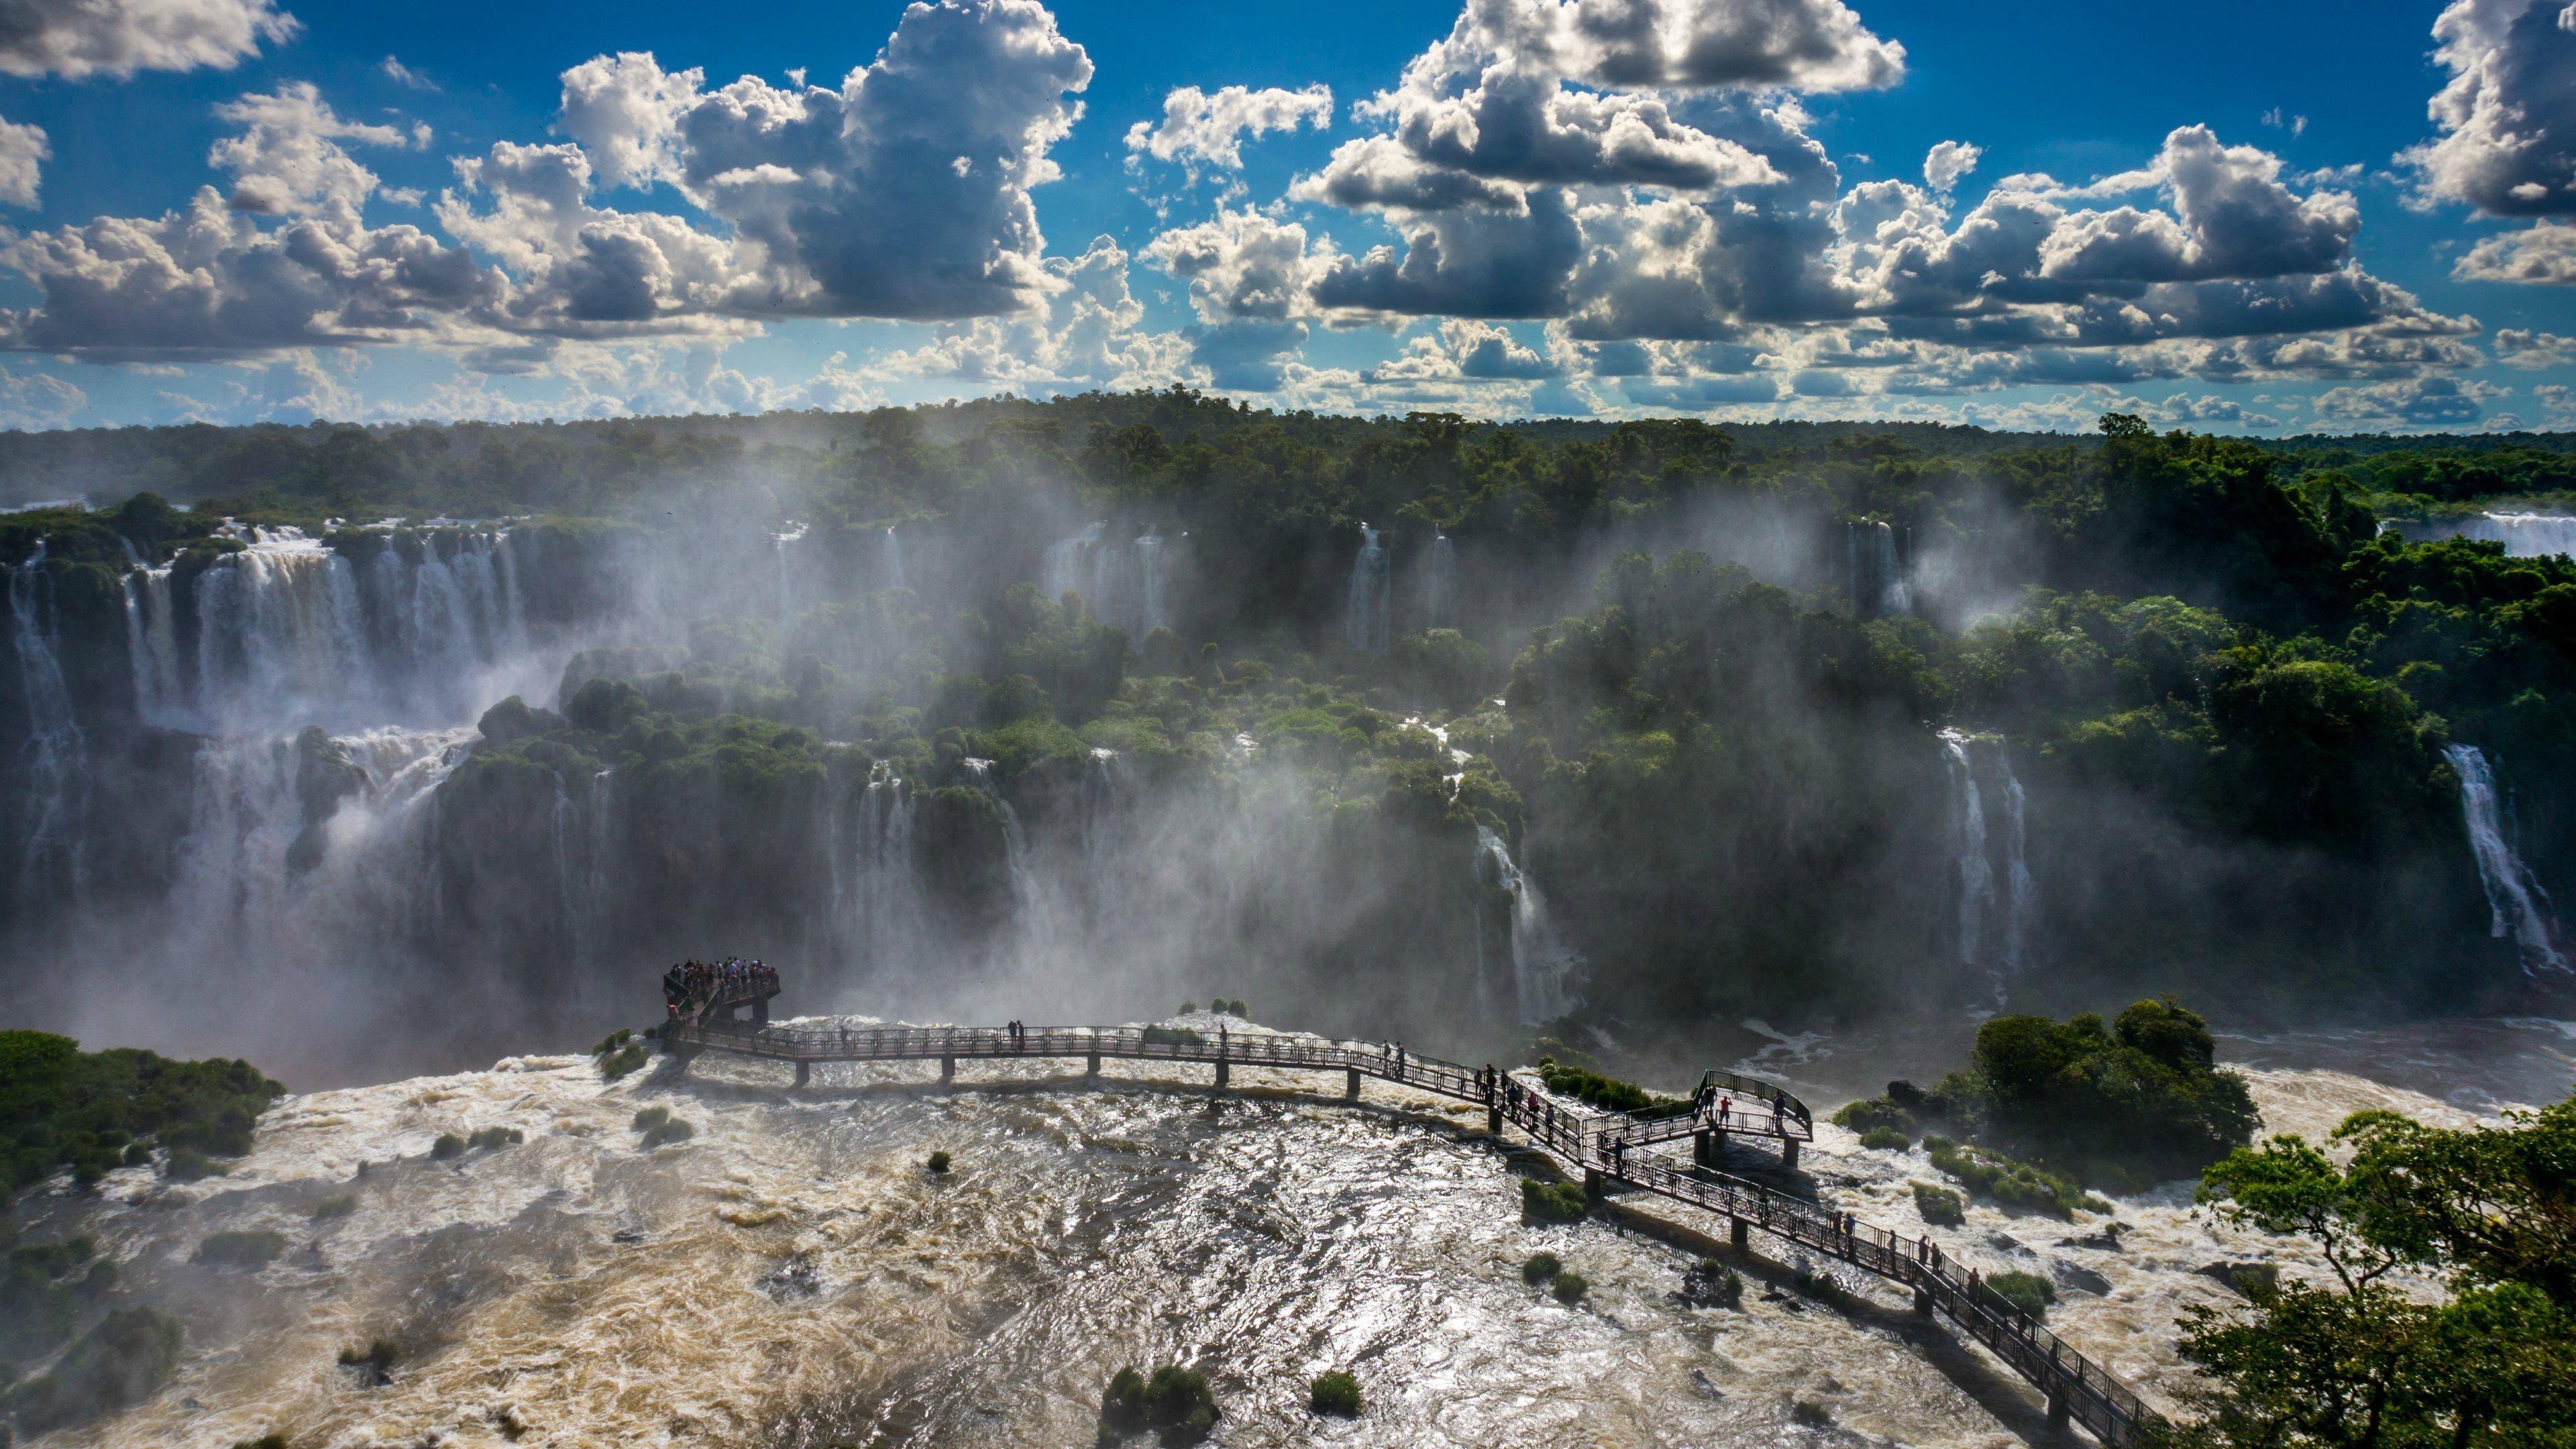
{"x": 1126, "y": 585}
{"x": 2518, "y": 907}
{"x": 1440, "y": 585}
{"x": 56, "y": 762}
{"x": 877, "y": 917}
{"x": 1542, "y": 967}
{"x": 1365, "y": 611}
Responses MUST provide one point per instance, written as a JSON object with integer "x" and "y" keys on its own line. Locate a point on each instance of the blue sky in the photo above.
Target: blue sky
{"x": 2279, "y": 218}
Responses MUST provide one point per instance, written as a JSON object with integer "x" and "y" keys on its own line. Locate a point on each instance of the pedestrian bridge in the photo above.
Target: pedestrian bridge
{"x": 1607, "y": 1147}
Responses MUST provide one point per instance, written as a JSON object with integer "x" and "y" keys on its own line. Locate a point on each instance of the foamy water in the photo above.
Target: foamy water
{"x": 793, "y": 1276}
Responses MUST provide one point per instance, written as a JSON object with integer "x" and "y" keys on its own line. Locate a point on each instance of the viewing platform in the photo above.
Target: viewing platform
{"x": 1606, "y": 1147}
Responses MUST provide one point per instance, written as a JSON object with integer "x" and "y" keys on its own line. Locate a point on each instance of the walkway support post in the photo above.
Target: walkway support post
{"x": 1091, "y": 1067}
{"x": 1592, "y": 1182}
{"x": 804, "y": 1072}
{"x": 1494, "y": 1118}
{"x": 1704, "y": 1145}
{"x": 1923, "y": 1300}
{"x": 1789, "y": 1153}
{"x": 1351, "y": 1088}
{"x": 2058, "y": 1413}
{"x": 1222, "y": 1075}
{"x": 760, "y": 1012}
{"x": 947, "y": 1071}
{"x": 1740, "y": 1233}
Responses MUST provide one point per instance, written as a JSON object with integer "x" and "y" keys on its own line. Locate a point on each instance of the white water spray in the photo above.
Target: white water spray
{"x": 57, "y": 754}
{"x": 1364, "y": 617}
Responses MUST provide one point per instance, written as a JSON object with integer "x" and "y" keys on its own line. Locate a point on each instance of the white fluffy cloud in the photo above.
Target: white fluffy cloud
{"x": 2545, "y": 253}
{"x": 1200, "y": 128}
{"x": 2508, "y": 115}
{"x": 288, "y": 156}
{"x": 23, "y": 152}
{"x": 120, "y": 37}
{"x": 2420, "y": 402}
{"x": 1947, "y": 162}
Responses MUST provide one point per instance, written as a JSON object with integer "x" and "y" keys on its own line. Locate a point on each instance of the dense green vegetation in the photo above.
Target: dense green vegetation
{"x": 126, "y": 1358}
{"x": 1176, "y": 1401}
{"x": 1596, "y": 1090}
{"x": 2357, "y": 1359}
{"x": 1553, "y": 1202}
{"x": 2125, "y": 1105}
{"x": 1335, "y": 1393}
{"x": 94, "y": 1111}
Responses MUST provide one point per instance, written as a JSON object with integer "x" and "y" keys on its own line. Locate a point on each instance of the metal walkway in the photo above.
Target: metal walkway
{"x": 1606, "y": 1146}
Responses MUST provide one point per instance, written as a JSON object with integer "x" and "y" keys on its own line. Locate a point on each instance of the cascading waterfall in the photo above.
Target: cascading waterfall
{"x": 1101, "y": 794}
{"x": 1364, "y": 618}
{"x": 1542, "y": 967}
{"x": 1149, "y": 580}
{"x": 1015, "y": 841}
{"x": 279, "y": 632}
{"x": 877, "y": 919}
{"x": 1980, "y": 912}
{"x": 779, "y": 543}
{"x": 1876, "y": 573}
{"x": 152, "y": 646}
{"x": 1061, "y": 569}
{"x": 1440, "y": 585}
{"x": 1125, "y": 585}
{"x": 2524, "y": 535}
{"x": 1968, "y": 836}
{"x": 890, "y": 560}
{"x": 56, "y": 761}
{"x": 2517, "y": 906}
{"x": 251, "y": 895}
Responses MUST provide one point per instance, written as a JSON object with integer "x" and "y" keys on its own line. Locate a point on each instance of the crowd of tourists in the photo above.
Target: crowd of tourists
{"x": 692, "y": 983}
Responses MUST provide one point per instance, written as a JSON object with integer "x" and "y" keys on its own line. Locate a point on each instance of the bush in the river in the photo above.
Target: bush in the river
{"x": 264, "y": 1441}
{"x": 2027, "y": 1293}
{"x": 447, "y": 1147}
{"x": 1569, "y": 1288}
{"x": 1175, "y": 1400}
{"x": 1712, "y": 1284}
{"x": 1809, "y": 1413}
{"x": 1172, "y": 1036}
{"x": 938, "y": 1162}
{"x": 649, "y": 1118}
{"x": 1597, "y": 1090}
{"x": 1876, "y": 1114}
{"x": 373, "y": 1364}
{"x": 91, "y": 1111}
{"x": 338, "y": 1205}
{"x": 241, "y": 1250}
{"x": 41, "y": 1299}
{"x": 1885, "y": 1139}
{"x": 124, "y": 1360}
{"x": 617, "y": 1064}
{"x": 1939, "y": 1205}
{"x": 1335, "y": 1393}
{"x": 187, "y": 1164}
{"x": 1186, "y": 1008}
{"x": 1992, "y": 1175}
{"x": 1553, "y": 1202}
{"x": 495, "y": 1137}
{"x": 660, "y": 1128}
{"x": 1537, "y": 1268}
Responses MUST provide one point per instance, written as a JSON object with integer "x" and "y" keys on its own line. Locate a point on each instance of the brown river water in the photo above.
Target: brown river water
{"x": 792, "y": 1275}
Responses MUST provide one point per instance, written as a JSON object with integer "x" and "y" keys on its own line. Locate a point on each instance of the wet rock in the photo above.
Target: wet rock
{"x": 509, "y": 1419}
{"x": 2105, "y": 1241}
{"x": 796, "y": 1278}
{"x": 627, "y": 1235}
{"x": 2247, "y": 1279}
{"x": 2069, "y": 1275}
{"x": 1700, "y": 1381}
{"x": 2008, "y": 1243}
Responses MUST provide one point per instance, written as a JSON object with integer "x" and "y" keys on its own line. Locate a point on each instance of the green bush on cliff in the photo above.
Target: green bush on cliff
{"x": 121, "y": 1362}
{"x": 1553, "y": 1202}
{"x": 61, "y": 1106}
{"x": 1594, "y": 1089}
{"x": 1335, "y": 1393}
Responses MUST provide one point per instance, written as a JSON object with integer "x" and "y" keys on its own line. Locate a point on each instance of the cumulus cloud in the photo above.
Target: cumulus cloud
{"x": 37, "y": 400}
{"x": 288, "y": 158}
{"x": 1946, "y": 162}
{"x": 2421, "y": 402}
{"x": 23, "y": 152}
{"x": 2544, "y": 253}
{"x": 1089, "y": 336}
{"x": 120, "y": 37}
{"x": 2508, "y": 115}
{"x": 2521, "y": 347}
{"x": 1199, "y": 128}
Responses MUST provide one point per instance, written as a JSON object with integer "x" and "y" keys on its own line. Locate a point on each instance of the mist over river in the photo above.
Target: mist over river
{"x": 792, "y": 1276}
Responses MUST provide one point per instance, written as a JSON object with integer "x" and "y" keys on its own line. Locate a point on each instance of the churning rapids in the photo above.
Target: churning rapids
{"x": 792, "y": 1276}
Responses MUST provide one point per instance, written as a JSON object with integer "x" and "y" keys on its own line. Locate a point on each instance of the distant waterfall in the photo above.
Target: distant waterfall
{"x": 890, "y": 559}
{"x": 2516, "y": 905}
{"x": 1149, "y": 586}
{"x": 1015, "y": 841}
{"x": 1061, "y": 569}
{"x": 2524, "y": 535}
{"x": 1101, "y": 792}
{"x": 1125, "y": 585}
{"x": 1993, "y": 928}
{"x": 287, "y": 631}
{"x": 1364, "y": 618}
{"x": 781, "y": 544}
{"x": 57, "y": 754}
{"x": 152, "y": 645}
{"x": 876, "y": 897}
{"x": 263, "y": 881}
{"x": 1541, "y": 965}
{"x": 1440, "y": 585}
{"x": 1876, "y": 574}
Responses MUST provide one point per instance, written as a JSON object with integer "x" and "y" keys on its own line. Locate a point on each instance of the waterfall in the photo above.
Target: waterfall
{"x": 245, "y": 891}
{"x": 1100, "y": 803}
{"x": 1364, "y": 618}
{"x": 2524, "y": 535}
{"x": 2021, "y": 892}
{"x": 152, "y": 646}
{"x": 1542, "y": 967}
{"x": 1440, "y": 585}
{"x": 1015, "y": 842}
{"x": 2516, "y": 905}
{"x": 1876, "y": 578}
{"x": 876, "y": 903}
{"x": 1061, "y": 571}
{"x": 890, "y": 559}
{"x": 56, "y": 761}
{"x": 279, "y": 633}
{"x": 786, "y": 581}
{"x": 1149, "y": 581}
{"x": 1968, "y": 837}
